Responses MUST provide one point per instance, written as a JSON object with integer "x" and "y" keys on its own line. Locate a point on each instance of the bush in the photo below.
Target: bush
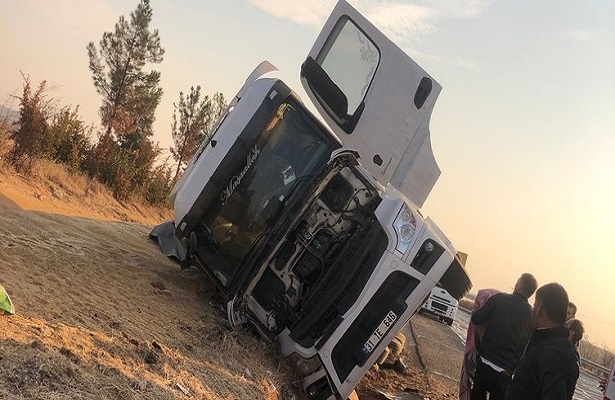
{"x": 68, "y": 139}
{"x": 30, "y": 138}
{"x": 159, "y": 186}
{"x": 125, "y": 166}
{"x": 127, "y": 172}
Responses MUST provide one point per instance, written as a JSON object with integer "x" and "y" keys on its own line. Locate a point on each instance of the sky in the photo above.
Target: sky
{"x": 523, "y": 131}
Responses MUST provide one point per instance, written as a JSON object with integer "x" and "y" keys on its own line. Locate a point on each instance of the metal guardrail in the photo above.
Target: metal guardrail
{"x": 594, "y": 367}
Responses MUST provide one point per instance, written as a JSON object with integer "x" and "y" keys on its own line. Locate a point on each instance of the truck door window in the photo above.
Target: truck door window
{"x": 350, "y": 60}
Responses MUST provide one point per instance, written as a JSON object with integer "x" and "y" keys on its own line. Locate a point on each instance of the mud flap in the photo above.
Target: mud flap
{"x": 169, "y": 244}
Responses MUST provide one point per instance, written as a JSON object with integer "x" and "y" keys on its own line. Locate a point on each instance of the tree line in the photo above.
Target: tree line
{"x": 122, "y": 153}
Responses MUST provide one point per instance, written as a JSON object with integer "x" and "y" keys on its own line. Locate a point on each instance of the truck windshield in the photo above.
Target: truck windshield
{"x": 291, "y": 147}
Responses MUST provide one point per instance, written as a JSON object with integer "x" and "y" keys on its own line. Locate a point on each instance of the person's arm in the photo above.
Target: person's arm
{"x": 480, "y": 316}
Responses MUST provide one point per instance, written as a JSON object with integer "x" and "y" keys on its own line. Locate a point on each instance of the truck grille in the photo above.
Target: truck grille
{"x": 439, "y": 306}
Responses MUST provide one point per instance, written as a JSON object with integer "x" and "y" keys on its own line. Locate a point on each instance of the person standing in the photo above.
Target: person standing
{"x": 608, "y": 385}
{"x": 548, "y": 368}
{"x": 507, "y": 320}
{"x": 576, "y": 331}
{"x": 474, "y": 337}
{"x": 571, "y": 311}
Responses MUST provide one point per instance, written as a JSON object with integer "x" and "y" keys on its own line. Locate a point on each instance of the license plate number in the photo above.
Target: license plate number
{"x": 380, "y": 332}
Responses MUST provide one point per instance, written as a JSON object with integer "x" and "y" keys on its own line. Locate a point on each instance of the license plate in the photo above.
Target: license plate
{"x": 380, "y": 332}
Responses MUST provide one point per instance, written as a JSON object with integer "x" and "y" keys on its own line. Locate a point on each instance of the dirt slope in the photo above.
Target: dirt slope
{"x": 102, "y": 314}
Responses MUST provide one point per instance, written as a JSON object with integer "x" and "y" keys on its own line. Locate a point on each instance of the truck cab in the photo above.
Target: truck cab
{"x": 313, "y": 230}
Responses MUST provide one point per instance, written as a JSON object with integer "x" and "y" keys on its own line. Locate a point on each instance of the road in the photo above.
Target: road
{"x": 587, "y": 385}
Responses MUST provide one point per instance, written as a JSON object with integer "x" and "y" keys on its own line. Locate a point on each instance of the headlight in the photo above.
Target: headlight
{"x": 405, "y": 226}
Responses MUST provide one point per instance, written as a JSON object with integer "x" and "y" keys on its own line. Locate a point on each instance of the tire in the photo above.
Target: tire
{"x": 448, "y": 321}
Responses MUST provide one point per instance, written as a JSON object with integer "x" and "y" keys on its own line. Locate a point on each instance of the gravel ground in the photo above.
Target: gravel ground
{"x": 432, "y": 355}
{"x": 440, "y": 351}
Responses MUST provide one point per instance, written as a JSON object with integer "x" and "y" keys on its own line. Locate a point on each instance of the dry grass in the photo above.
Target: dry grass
{"x": 93, "y": 322}
{"x": 51, "y": 187}
{"x": 42, "y": 359}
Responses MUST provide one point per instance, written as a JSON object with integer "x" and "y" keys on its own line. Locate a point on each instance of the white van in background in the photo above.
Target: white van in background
{"x": 441, "y": 304}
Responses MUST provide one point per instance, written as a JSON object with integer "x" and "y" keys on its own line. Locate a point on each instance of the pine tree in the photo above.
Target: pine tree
{"x": 130, "y": 95}
{"x": 193, "y": 121}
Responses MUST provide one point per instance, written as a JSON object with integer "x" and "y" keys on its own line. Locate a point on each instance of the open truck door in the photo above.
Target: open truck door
{"x": 378, "y": 102}
{"x": 376, "y": 99}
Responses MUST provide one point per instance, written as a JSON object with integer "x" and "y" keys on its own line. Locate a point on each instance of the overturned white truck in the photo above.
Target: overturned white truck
{"x": 313, "y": 231}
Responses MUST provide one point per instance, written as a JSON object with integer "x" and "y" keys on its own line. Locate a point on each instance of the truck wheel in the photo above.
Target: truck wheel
{"x": 448, "y": 321}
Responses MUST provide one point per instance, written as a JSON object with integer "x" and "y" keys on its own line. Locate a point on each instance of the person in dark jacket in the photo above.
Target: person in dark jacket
{"x": 507, "y": 319}
{"x": 548, "y": 369}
